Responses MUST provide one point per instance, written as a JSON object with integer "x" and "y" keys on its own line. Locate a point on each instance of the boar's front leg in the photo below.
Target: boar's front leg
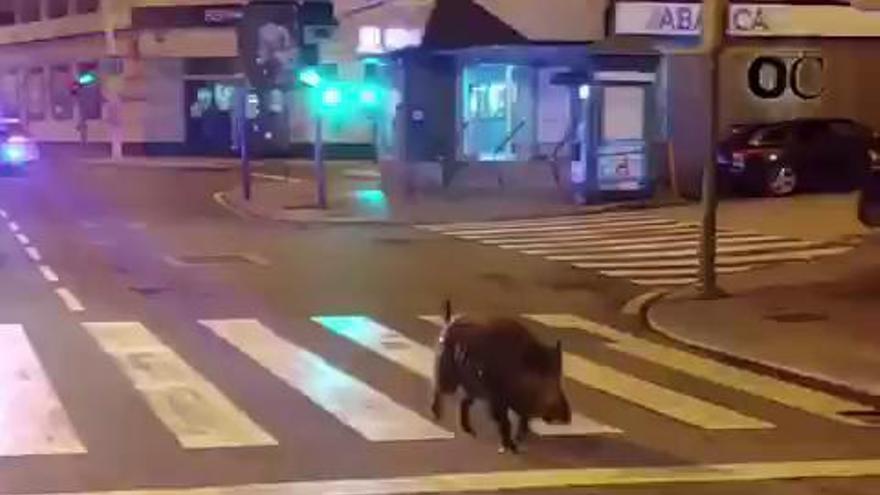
{"x": 499, "y": 414}
{"x": 464, "y": 414}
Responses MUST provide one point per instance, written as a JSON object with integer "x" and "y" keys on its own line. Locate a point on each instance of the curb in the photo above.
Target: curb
{"x": 222, "y": 198}
{"x": 816, "y": 380}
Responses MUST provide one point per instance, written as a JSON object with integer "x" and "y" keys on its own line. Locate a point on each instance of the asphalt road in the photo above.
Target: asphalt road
{"x": 160, "y": 342}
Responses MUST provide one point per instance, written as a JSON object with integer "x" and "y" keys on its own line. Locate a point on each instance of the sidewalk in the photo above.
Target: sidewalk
{"x": 820, "y": 320}
{"x": 211, "y": 163}
{"x": 355, "y": 196}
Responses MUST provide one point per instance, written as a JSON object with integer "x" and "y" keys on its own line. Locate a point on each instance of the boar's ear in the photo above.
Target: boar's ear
{"x": 447, "y": 311}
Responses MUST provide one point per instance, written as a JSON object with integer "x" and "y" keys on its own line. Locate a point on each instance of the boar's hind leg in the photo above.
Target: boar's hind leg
{"x": 523, "y": 431}
{"x": 464, "y": 414}
{"x": 499, "y": 414}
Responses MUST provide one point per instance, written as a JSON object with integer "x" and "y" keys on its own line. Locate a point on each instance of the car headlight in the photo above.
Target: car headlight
{"x": 874, "y": 156}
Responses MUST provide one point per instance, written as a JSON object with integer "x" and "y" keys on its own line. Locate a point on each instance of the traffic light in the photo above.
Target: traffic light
{"x": 310, "y": 76}
{"x": 331, "y": 97}
{"x": 87, "y": 79}
{"x": 368, "y": 97}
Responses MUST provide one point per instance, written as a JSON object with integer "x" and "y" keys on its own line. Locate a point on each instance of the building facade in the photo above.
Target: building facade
{"x": 780, "y": 60}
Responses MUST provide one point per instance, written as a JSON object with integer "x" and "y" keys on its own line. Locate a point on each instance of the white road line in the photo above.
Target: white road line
{"x": 658, "y": 282}
{"x": 585, "y": 235}
{"x": 556, "y": 229}
{"x": 419, "y": 359}
{"x": 785, "y": 393}
{"x": 638, "y": 237}
{"x": 613, "y": 247}
{"x": 70, "y": 300}
{"x": 32, "y": 419}
{"x": 541, "y": 221}
{"x": 678, "y": 406}
{"x": 33, "y": 253}
{"x": 48, "y": 273}
{"x": 14, "y": 227}
{"x": 802, "y": 255}
{"x": 548, "y": 479}
{"x": 23, "y": 239}
{"x": 4, "y": 214}
{"x": 671, "y": 272}
{"x": 573, "y": 226}
{"x": 193, "y": 409}
{"x": 369, "y": 412}
{"x": 680, "y": 253}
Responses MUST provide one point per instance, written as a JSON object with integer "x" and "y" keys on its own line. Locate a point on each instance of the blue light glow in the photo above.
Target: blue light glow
{"x": 371, "y": 196}
{"x": 14, "y": 153}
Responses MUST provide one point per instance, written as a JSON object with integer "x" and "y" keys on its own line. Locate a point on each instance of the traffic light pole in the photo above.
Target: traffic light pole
{"x": 715, "y": 11}
{"x": 320, "y": 169}
{"x": 241, "y": 104}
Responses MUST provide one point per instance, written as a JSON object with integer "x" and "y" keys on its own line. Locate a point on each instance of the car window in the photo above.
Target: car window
{"x": 772, "y": 135}
{"x": 848, "y": 129}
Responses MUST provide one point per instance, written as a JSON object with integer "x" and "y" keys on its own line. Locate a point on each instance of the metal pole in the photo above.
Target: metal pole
{"x": 320, "y": 172}
{"x": 241, "y": 101}
{"x": 715, "y": 11}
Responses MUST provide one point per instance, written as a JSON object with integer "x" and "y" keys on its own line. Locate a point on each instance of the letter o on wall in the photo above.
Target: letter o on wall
{"x": 779, "y": 80}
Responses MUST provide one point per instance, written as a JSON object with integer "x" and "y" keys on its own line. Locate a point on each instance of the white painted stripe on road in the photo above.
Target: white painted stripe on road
{"x": 371, "y": 413}
{"x": 671, "y": 272}
{"x": 73, "y": 304}
{"x": 614, "y": 247}
{"x": 574, "y": 226}
{"x": 419, "y": 359}
{"x": 785, "y": 246}
{"x": 556, "y": 229}
{"x": 48, "y": 273}
{"x": 803, "y": 255}
{"x": 14, "y": 227}
{"x": 661, "y": 282}
{"x": 194, "y": 410}
{"x": 23, "y": 239}
{"x": 648, "y": 395}
{"x": 4, "y": 214}
{"x": 32, "y": 418}
{"x": 785, "y": 393}
{"x": 641, "y": 236}
{"x": 532, "y": 222}
{"x": 547, "y": 479}
{"x": 33, "y": 253}
{"x": 616, "y": 232}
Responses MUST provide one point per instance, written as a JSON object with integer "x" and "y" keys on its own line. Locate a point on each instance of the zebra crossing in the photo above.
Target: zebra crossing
{"x": 200, "y": 415}
{"x": 643, "y": 248}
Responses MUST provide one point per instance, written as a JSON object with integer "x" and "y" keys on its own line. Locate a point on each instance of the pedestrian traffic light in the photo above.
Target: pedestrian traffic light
{"x": 86, "y": 79}
{"x": 331, "y": 97}
{"x": 310, "y": 77}
{"x": 368, "y": 97}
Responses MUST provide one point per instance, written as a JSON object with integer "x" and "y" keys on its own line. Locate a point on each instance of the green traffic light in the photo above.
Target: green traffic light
{"x": 310, "y": 77}
{"x": 369, "y": 97}
{"x": 87, "y": 79}
{"x": 331, "y": 97}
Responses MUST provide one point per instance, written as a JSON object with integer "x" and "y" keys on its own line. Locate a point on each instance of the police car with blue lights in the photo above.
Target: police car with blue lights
{"x": 17, "y": 149}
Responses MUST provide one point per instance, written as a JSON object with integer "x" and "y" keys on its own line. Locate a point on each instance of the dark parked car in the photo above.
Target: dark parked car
{"x": 869, "y": 198}
{"x": 782, "y": 158}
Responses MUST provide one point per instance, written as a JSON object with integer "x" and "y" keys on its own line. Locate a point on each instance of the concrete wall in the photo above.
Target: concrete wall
{"x": 850, "y": 79}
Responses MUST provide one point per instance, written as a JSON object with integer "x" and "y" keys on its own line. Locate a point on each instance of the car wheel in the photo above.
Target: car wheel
{"x": 780, "y": 180}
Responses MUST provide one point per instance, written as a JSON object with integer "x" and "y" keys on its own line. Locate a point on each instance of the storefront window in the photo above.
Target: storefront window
{"x": 57, "y": 8}
{"x": 60, "y": 79}
{"x": 7, "y": 12}
{"x": 10, "y": 103}
{"x": 87, "y": 6}
{"x": 623, "y": 113}
{"x": 35, "y": 92}
{"x": 29, "y": 10}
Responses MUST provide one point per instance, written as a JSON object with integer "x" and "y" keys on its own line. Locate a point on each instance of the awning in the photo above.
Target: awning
{"x": 462, "y": 23}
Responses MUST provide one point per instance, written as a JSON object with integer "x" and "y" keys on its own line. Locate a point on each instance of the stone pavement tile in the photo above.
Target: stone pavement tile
{"x": 823, "y": 322}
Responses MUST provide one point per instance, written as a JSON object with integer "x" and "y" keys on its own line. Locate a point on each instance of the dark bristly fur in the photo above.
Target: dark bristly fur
{"x": 501, "y": 362}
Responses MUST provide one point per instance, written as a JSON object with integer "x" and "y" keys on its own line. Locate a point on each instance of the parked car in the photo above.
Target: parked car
{"x": 782, "y": 158}
{"x": 17, "y": 148}
{"x": 869, "y": 198}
